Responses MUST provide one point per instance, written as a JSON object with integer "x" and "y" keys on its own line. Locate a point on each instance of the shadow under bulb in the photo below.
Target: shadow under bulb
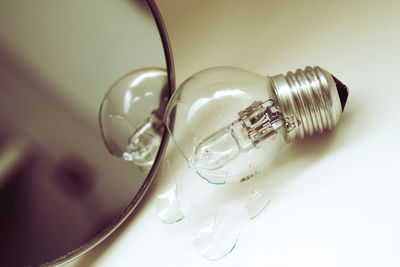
{"x": 230, "y": 123}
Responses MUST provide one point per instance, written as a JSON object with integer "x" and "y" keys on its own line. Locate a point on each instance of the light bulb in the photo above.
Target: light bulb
{"x": 231, "y": 123}
{"x": 131, "y": 116}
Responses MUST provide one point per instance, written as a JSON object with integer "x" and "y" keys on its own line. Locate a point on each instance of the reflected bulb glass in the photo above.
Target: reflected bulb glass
{"x": 231, "y": 123}
{"x": 131, "y": 116}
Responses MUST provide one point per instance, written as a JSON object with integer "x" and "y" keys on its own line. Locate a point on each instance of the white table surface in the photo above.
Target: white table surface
{"x": 336, "y": 203}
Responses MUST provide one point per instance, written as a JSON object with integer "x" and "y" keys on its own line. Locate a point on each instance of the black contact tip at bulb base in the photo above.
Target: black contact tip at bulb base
{"x": 343, "y": 91}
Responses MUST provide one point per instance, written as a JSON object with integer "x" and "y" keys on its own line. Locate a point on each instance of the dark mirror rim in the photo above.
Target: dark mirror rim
{"x": 150, "y": 177}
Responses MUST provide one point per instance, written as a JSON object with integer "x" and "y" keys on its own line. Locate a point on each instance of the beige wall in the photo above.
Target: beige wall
{"x": 276, "y": 36}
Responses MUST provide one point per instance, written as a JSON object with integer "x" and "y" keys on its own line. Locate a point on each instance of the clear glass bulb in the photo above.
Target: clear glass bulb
{"x": 131, "y": 116}
{"x": 231, "y": 123}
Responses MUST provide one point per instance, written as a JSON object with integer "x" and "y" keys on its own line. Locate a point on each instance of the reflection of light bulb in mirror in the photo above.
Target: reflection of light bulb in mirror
{"x": 131, "y": 116}
{"x": 233, "y": 122}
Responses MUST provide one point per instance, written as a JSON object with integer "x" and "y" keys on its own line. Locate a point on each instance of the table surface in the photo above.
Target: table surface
{"x": 336, "y": 202}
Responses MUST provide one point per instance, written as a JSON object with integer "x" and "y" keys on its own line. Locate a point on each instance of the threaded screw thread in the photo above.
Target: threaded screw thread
{"x": 308, "y": 99}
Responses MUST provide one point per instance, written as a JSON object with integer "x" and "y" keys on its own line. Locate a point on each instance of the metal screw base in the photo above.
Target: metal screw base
{"x": 309, "y": 101}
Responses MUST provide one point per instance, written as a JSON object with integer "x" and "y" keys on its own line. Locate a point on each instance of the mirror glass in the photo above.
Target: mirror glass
{"x": 61, "y": 191}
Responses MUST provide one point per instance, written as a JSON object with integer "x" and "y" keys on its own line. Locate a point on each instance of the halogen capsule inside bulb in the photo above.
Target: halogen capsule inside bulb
{"x": 142, "y": 145}
{"x": 256, "y": 124}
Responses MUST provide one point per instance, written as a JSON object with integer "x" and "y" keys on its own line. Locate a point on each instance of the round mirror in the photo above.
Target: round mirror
{"x": 61, "y": 191}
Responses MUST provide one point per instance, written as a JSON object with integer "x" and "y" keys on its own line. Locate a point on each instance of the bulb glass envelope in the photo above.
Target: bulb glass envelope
{"x": 206, "y": 104}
